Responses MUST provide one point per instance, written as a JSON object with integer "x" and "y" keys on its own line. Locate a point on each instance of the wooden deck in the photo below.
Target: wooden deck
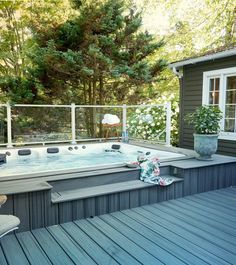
{"x": 197, "y": 229}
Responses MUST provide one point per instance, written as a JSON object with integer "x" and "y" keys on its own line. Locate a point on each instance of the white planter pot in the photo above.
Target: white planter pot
{"x": 205, "y": 145}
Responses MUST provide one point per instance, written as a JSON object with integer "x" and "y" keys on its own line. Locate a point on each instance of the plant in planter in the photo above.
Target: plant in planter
{"x": 205, "y": 121}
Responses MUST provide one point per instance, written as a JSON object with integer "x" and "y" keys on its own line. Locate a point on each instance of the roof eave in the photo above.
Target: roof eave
{"x": 209, "y": 57}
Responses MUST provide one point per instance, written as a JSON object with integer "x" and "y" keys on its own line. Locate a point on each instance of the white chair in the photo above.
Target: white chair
{"x": 8, "y": 223}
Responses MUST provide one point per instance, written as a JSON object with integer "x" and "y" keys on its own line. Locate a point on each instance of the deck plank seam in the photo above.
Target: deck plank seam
{"x": 77, "y": 243}
{"x": 133, "y": 240}
{"x": 18, "y": 241}
{"x": 210, "y": 213}
{"x": 212, "y": 206}
{"x": 196, "y": 210}
{"x": 183, "y": 220}
{"x": 176, "y": 234}
{"x": 138, "y": 246}
{"x": 146, "y": 208}
{"x": 5, "y": 257}
{"x": 143, "y": 237}
{"x": 198, "y": 217}
{"x": 145, "y": 217}
{"x": 56, "y": 243}
{"x": 158, "y": 234}
{"x": 71, "y": 239}
{"x": 41, "y": 249}
{"x": 218, "y": 198}
{"x": 202, "y": 204}
{"x": 99, "y": 245}
{"x": 113, "y": 241}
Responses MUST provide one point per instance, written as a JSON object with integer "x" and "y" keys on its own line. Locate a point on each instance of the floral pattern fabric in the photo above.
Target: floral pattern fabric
{"x": 150, "y": 172}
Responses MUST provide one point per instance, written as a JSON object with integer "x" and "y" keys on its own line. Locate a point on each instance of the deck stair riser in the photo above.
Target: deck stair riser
{"x": 95, "y": 180}
{"x": 91, "y": 180}
{"x": 73, "y": 193}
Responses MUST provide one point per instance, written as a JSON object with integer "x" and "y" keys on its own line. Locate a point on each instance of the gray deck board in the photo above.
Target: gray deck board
{"x": 220, "y": 201}
{"x": 2, "y": 258}
{"x": 98, "y": 254}
{"x": 131, "y": 246}
{"x": 213, "y": 207}
{"x": 179, "y": 238}
{"x": 76, "y": 252}
{"x": 169, "y": 244}
{"x": 33, "y": 251}
{"x": 210, "y": 212}
{"x": 191, "y": 237}
{"x": 203, "y": 217}
{"x": 213, "y": 244}
{"x": 157, "y": 251}
{"x": 51, "y": 248}
{"x": 11, "y": 246}
{"x": 118, "y": 253}
{"x": 194, "y": 225}
{"x": 197, "y": 229}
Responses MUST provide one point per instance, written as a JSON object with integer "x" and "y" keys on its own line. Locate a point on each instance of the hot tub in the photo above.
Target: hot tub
{"x": 35, "y": 160}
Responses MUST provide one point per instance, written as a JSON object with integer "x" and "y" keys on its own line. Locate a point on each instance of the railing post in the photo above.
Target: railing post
{"x": 168, "y": 124}
{"x": 124, "y": 121}
{"x": 9, "y": 131}
{"x": 73, "y": 123}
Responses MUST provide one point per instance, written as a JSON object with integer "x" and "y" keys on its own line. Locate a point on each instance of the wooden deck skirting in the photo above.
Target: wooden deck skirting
{"x": 41, "y": 202}
{"x": 197, "y": 229}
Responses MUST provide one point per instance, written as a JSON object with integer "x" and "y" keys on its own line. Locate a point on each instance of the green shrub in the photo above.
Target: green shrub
{"x": 141, "y": 126}
{"x": 205, "y": 119}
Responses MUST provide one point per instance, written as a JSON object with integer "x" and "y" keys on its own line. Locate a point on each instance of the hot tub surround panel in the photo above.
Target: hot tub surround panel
{"x": 47, "y": 201}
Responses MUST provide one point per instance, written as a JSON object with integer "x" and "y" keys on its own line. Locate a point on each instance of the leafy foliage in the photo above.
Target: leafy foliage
{"x": 149, "y": 123}
{"x": 99, "y": 52}
{"x": 205, "y": 119}
{"x": 100, "y": 56}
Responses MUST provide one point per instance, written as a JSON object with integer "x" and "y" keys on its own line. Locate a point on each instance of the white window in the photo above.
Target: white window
{"x": 219, "y": 89}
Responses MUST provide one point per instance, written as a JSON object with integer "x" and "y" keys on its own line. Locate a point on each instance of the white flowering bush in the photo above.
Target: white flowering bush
{"x": 148, "y": 123}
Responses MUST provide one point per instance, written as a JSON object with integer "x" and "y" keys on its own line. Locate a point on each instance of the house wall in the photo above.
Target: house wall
{"x": 191, "y": 98}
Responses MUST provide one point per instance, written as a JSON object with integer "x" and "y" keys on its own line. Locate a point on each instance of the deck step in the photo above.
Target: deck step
{"x": 22, "y": 186}
{"x": 83, "y": 193}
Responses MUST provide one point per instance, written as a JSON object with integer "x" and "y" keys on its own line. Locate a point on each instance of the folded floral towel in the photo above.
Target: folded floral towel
{"x": 150, "y": 172}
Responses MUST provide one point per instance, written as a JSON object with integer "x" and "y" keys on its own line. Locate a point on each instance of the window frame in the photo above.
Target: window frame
{"x": 222, "y": 74}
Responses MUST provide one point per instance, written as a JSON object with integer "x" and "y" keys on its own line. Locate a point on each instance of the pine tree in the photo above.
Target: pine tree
{"x": 101, "y": 54}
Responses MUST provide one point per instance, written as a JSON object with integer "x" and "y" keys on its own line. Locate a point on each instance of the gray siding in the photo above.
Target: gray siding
{"x": 191, "y": 98}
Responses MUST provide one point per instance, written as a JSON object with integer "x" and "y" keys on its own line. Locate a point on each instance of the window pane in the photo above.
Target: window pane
{"x": 214, "y": 98}
{"x": 229, "y": 125}
{"x": 212, "y": 84}
{"x": 217, "y": 84}
{"x": 230, "y": 96}
{"x": 210, "y": 98}
{"x": 231, "y": 82}
{"x": 230, "y": 111}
